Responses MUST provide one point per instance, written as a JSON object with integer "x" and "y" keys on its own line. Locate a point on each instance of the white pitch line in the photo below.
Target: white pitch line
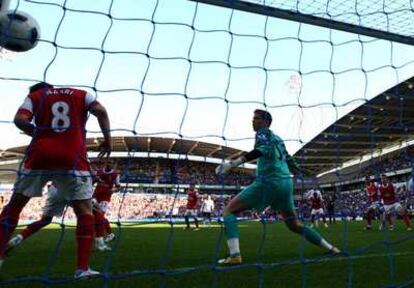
{"x": 366, "y": 256}
{"x": 308, "y": 260}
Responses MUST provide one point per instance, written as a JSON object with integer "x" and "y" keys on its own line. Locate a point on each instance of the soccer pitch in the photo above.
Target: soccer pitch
{"x": 158, "y": 256}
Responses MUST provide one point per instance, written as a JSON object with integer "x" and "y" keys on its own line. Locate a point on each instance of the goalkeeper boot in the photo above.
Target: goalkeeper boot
{"x": 335, "y": 251}
{"x": 84, "y": 274}
{"x": 231, "y": 260}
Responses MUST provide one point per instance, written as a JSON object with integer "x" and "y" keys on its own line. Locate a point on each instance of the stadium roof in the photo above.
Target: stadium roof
{"x": 148, "y": 145}
{"x": 9, "y": 165}
{"x": 384, "y": 121}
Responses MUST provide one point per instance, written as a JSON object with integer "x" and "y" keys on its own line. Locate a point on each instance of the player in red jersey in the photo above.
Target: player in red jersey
{"x": 317, "y": 211}
{"x": 373, "y": 202}
{"x": 107, "y": 182}
{"x": 391, "y": 205}
{"x": 192, "y": 200}
{"x": 57, "y": 153}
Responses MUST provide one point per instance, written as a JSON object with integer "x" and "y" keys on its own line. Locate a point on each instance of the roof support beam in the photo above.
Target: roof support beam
{"x": 214, "y": 151}
{"x": 193, "y": 147}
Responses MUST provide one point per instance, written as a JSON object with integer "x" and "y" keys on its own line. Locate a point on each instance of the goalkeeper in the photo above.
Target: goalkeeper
{"x": 273, "y": 186}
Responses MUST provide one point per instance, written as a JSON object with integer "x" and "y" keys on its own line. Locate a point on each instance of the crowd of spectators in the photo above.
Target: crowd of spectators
{"x": 155, "y": 206}
{"x": 183, "y": 171}
{"x": 127, "y": 206}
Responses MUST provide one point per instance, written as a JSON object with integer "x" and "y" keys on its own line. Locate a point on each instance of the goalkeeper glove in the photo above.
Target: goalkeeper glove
{"x": 224, "y": 168}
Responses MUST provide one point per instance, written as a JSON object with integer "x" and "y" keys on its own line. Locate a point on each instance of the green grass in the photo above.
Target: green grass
{"x": 145, "y": 247}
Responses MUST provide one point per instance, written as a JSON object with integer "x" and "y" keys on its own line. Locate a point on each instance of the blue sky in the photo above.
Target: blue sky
{"x": 307, "y": 69}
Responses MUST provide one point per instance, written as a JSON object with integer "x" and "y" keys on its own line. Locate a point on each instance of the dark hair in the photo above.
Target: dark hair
{"x": 265, "y": 116}
{"x": 40, "y": 85}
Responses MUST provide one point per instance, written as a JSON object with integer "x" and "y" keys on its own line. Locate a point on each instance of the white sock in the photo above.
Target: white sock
{"x": 326, "y": 245}
{"x": 233, "y": 245}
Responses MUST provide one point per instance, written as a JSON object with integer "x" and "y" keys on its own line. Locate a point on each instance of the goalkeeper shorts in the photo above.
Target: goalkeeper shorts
{"x": 275, "y": 193}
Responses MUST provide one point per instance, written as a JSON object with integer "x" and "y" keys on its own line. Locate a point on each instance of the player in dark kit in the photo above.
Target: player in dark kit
{"x": 330, "y": 208}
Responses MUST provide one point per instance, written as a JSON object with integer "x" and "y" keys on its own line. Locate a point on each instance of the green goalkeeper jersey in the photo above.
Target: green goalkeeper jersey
{"x": 275, "y": 161}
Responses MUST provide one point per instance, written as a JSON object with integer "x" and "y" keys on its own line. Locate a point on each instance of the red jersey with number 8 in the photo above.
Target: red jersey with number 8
{"x": 60, "y": 115}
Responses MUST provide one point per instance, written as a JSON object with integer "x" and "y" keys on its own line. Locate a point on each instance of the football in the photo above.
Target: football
{"x": 19, "y": 32}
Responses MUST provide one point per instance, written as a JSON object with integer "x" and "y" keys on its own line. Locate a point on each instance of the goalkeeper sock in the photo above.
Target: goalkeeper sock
{"x": 312, "y": 236}
{"x": 84, "y": 239}
{"x": 325, "y": 244}
{"x": 230, "y": 226}
{"x": 234, "y": 246}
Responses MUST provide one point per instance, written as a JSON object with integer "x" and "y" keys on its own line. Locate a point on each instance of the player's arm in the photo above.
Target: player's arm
{"x": 99, "y": 111}
{"x": 293, "y": 165}
{"x": 24, "y": 116}
{"x": 117, "y": 183}
{"x": 225, "y": 167}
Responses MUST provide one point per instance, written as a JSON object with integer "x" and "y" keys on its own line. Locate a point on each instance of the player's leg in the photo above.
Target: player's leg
{"x": 209, "y": 219}
{"x": 78, "y": 190}
{"x": 9, "y": 218}
{"x": 324, "y": 219}
{"x": 252, "y": 196}
{"x": 29, "y": 230}
{"x": 232, "y": 231}
{"x": 196, "y": 221}
{"x": 390, "y": 219}
{"x": 313, "y": 215}
{"x": 294, "y": 225}
{"x": 109, "y": 235}
{"x": 330, "y": 217}
{"x": 187, "y": 220}
{"x": 382, "y": 217}
{"x": 28, "y": 184}
{"x": 204, "y": 219}
{"x": 284, "y": 204}
{"x": 100, "y": 231}
{"x": 99, "y": 210}
{"x": 403, "y": 213}
{"x": 84, "y": 234}
{"x": 369, "y": 216}
{"x": 54, "y": 206}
